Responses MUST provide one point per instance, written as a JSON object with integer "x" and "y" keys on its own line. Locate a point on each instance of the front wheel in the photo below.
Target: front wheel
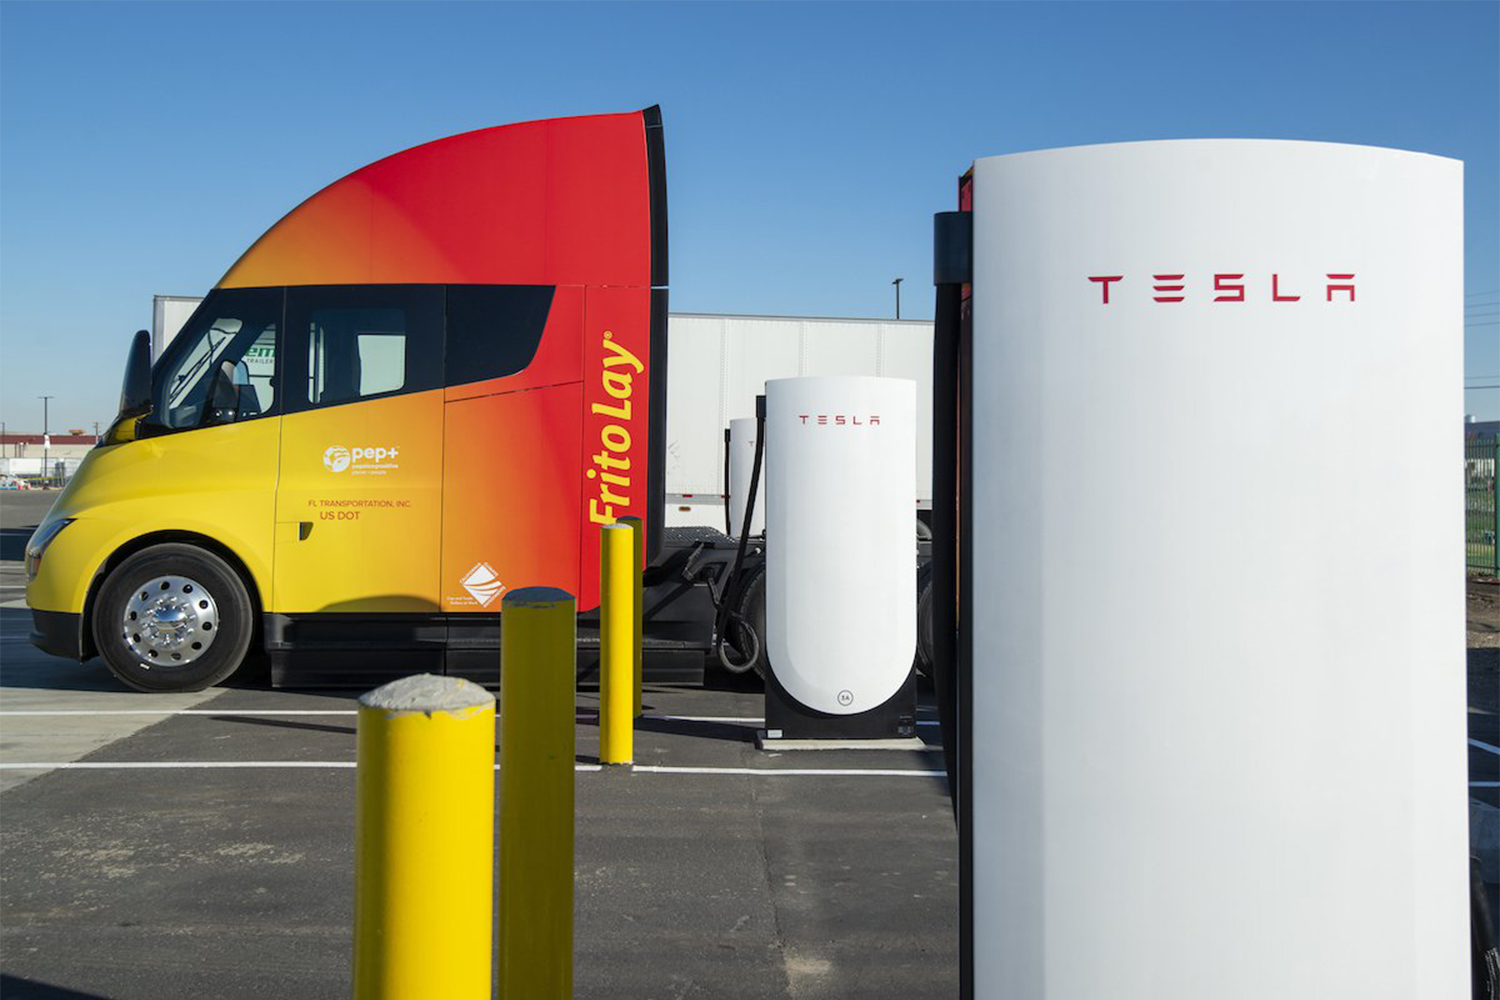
{"x": 172, "y": 618}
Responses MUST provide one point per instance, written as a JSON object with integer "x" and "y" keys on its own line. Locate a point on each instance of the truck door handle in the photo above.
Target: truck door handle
{"x": 304, "y": 528}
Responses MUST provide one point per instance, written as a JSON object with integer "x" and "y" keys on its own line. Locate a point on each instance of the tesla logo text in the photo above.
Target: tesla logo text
{"x": 611, "y": 466}
{"x": 840, "y": 419}
{"x": 1226, "y": 287}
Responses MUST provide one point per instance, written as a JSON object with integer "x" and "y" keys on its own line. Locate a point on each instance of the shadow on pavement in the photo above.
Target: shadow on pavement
{"x": 16, "y": 988}
{"x": 250, "y": 720}
{"x": 1484, "y": 678}
{"x": 23, "y": 666}
{"x": 732, "y": 732}
{"x": 13, "y": 542}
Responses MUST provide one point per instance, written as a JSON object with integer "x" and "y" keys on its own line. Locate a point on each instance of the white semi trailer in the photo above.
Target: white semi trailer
{"x": 717, "y": 365}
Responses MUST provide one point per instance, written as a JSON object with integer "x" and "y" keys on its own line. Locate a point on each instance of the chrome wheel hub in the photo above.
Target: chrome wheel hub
{"x": 170, "y": 621}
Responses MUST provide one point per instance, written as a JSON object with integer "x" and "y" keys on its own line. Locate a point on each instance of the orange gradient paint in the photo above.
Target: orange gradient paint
{"x": 558, "y": 202}
{"x": 532, "y": 463}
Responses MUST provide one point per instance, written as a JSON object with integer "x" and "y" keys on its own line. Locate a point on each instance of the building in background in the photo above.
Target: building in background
{"x": 61, "y": 445}
{"x": 30, "y": 456}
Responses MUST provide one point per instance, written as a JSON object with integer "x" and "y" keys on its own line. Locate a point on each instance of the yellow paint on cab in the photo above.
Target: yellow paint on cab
{"x": 219, "y": 482}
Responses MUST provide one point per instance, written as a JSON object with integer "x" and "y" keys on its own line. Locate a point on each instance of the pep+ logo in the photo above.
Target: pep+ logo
{"x": 361, "y": 460}
{"x": 336, "y": 458}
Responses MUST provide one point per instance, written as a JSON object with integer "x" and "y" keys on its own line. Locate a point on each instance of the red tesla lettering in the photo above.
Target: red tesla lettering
{"x": 1104, "y": 280}
{"x": 1229, "y": 283}
{"x": 802, "y": 417}
{"x": 1167, "y": 287}
{"x": 839, "y": 420}
{"x": 1276, "y": 295}
{"x": 1229, "y": 286}
{"x": 1341, "y": 286}
{"x": 822, "y": 418}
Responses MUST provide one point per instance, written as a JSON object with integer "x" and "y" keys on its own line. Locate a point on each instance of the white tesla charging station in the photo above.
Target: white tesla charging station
{"x": 840, "y": 459}
{"x": 1213, "y": 598}
{"x": 742, "y": 437}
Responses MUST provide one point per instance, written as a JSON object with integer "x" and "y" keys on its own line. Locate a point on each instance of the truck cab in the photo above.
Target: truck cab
{"x": 429, "y": 383}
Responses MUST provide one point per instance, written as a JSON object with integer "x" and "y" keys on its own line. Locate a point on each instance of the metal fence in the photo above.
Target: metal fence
{"x": 1479, "y": 505}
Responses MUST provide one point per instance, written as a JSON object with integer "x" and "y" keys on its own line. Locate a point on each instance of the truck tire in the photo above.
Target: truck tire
{"x": 172, "y": 617}
{"x": 752, "y": 611}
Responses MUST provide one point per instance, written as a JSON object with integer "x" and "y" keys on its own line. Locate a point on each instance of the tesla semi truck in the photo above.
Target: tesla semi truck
{"x": 430, "y": 382}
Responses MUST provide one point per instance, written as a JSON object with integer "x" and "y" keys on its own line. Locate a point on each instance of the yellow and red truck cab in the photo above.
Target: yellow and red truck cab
{"x": 428, "y": 383}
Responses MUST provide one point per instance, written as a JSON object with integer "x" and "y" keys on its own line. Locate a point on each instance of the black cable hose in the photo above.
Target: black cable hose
{"x": 728, "y": 525}
{"x": 721, "y": 619}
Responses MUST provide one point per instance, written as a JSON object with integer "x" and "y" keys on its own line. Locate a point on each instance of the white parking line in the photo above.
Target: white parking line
{"x": 586, "y": 713}
{"x": 1484, "y": 746}
{"x": 206, "y": 765}
{"x": 203, "y": 765}
{"x": 155, "y": 765}
{"x": 751, "y": 720}
{"x": 180, "y": 711}
{"x": 40, "y": 712}
{"x": 878, "y": 772}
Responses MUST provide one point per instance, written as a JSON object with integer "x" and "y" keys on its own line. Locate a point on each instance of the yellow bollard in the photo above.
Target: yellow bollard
{"x": 424, "y": 841}
{"x": 616, "y": 606}
{"x": 637, "y": 620}
{"x": 538, "y": 678}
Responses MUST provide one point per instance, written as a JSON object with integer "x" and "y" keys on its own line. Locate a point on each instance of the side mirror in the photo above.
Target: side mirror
{"x": 135, "y": 393}
{"x": 224, "y": 397}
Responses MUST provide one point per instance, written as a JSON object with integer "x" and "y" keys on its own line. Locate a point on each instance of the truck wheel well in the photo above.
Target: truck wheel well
{"x": 135, "y": 545}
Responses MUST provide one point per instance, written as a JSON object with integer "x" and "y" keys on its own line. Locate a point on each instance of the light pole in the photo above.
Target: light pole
{"x": 897, "y": 283}
{"x": 46, "y": 438}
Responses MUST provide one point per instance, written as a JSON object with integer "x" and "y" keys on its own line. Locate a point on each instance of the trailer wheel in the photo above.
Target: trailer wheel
{"x": 751, "y": 610}
{"x": 172, "y": 618}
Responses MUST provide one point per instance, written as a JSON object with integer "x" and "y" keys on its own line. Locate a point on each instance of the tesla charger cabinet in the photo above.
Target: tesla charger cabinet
{"x": 1215, "y": 625}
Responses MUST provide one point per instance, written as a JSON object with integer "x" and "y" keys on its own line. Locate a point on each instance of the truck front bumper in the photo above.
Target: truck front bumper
{"x": 58, "y": 632}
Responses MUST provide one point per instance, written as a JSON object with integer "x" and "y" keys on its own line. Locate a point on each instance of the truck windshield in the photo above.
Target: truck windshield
{"x": 221, "y": 368}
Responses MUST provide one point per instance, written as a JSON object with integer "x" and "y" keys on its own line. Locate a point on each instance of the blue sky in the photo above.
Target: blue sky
{"x": 144, "y": 146}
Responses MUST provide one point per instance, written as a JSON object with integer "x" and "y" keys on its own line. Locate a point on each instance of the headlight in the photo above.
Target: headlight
{"x": 40, "y": 539}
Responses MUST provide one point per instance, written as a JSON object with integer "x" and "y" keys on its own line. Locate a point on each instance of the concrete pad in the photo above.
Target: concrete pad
{"x": 32, "y": 683}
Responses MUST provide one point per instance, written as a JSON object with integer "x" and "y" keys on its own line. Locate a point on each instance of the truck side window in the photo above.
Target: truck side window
{"x": 355, "y": 342}
{"x": 494, "y": 330}
{"x": 221, "y": 367}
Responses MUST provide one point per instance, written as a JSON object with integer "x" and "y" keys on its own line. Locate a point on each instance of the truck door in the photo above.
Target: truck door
{"x": 359, "y": 506}
{"x": 216, "y": 421}
{"x": 513, "y": 428}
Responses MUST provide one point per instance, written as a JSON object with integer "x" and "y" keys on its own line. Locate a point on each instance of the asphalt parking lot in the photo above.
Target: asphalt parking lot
{"x": 202, "y": 845}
